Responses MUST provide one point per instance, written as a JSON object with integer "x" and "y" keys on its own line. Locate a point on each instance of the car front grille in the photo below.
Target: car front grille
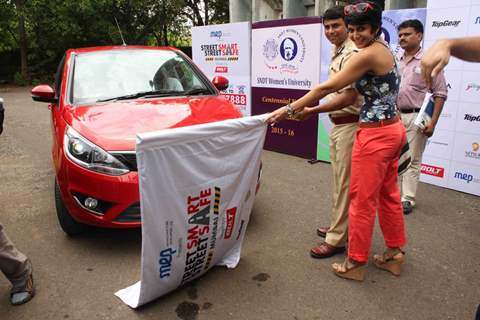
{"x": 127, "y": 158}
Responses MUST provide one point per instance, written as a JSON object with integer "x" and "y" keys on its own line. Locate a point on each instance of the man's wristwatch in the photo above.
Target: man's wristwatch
{"x": 290, "y": 111}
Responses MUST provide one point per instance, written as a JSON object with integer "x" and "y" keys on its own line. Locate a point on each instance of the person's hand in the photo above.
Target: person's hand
{"x": 434, "y": 60}
{"x": 429, "y": 129}
{"x": 277, "y": 115}
{"x": 305, "y": 114}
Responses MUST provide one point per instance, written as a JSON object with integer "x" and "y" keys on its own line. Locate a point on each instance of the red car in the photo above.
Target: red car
{"x": 104, "y": 97}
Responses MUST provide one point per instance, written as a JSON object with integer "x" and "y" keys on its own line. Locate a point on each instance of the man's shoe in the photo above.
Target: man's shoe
{"x": 322, "y": 231}
{"x": 23, "y": 294}
{"x": 407, "y": 207}
{"x": 324, "y": 250}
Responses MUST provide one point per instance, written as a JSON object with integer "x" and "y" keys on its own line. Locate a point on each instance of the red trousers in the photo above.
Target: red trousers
{"x": 374, "y": 187}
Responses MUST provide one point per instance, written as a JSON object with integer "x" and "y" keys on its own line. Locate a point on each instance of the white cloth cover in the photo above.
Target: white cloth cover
{"x": 197, "y": 188}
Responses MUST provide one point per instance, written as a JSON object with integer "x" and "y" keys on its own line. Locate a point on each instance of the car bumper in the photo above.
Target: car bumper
{"x": 117, "y": 196}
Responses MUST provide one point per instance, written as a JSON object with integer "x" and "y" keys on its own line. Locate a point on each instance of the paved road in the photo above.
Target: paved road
{"x": 276, "y": 278}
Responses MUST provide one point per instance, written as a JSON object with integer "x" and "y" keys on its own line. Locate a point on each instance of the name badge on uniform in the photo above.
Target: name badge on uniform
{"x": 417, "y": 70}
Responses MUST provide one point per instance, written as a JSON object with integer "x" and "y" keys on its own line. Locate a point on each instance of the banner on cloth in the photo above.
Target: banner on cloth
{"x": 224, "y": 50}
{"x": 197, "y": 188}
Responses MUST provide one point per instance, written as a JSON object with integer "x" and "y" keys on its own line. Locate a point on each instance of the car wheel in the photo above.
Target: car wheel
{"x": 68, "y": 224}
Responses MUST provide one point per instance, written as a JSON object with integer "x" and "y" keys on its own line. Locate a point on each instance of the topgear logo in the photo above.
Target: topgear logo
{"x": 471, "y": 117}
{"x": 446, "y": 23}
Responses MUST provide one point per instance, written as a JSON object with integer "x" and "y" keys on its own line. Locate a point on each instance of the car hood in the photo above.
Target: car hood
{"x": 113, "y": 126}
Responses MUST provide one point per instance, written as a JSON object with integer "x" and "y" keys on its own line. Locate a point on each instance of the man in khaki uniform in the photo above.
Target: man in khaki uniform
{"x": 343, "y": 108}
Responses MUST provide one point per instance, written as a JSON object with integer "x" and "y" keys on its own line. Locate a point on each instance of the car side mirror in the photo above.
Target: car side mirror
{"x": 44, "y": 93}
{"x": 221, "y": 83}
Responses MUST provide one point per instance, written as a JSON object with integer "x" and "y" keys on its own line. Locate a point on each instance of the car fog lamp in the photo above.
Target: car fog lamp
{"x": 91, "y": 203}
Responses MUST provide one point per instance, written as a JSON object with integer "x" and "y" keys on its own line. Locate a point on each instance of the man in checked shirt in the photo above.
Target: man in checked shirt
{"x": 410, "y": 98}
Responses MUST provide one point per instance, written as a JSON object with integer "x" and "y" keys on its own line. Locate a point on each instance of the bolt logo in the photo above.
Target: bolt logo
{"x": 432, "y": 170}
{"x": 288, "y": 49}
{"x": 231, "y": 213}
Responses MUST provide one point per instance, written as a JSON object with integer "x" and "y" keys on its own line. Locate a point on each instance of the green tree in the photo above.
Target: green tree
{"x": 53, "y": 26}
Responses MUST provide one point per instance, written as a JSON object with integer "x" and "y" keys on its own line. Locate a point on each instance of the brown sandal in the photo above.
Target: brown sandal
{"x": 350, "y": 269}
{"x": 391, "y": 260}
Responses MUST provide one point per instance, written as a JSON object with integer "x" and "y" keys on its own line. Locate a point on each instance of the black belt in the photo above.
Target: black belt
{"x": 410, "y": 110}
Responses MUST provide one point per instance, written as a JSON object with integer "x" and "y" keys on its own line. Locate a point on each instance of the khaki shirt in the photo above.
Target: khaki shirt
{"x": 339, "y": 57}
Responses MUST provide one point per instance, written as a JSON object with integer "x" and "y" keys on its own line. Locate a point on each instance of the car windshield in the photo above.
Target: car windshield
{"x": 132, "y": 73}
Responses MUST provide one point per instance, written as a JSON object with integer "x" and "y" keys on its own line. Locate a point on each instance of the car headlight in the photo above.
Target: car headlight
{"x": 88, "y": 155}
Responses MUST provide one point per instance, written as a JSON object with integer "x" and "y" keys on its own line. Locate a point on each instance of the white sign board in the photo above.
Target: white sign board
{"x": 224, "y": 50}
{"x": 454, "y": 150}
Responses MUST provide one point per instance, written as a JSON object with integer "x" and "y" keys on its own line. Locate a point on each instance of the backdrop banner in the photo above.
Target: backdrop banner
{"x": 285, "y": 66}
{"x": 197, "y": 188}
{"x": 452, "y": 154}
{"x": 224, "y": 50}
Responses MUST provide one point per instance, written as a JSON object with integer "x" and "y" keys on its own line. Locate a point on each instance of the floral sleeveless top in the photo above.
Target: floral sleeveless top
{"x": 380, "y": 93}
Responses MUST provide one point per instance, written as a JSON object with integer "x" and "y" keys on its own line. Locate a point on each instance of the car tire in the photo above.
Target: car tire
{"x": 69, "y": 225}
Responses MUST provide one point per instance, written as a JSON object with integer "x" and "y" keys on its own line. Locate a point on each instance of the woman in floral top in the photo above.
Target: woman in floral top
{"x": 380, "y": 136}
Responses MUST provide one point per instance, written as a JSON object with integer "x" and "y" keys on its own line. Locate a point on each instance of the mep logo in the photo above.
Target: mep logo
{"x": 438, "y": 172}
{"x": 165, "y": 262}
{"x": 446, "y": 23}
{"x": 471, "y": 117}
{"x": 465, "y": 177}
{"x": 216, "y": 34}
{"x": 471, "y": 86}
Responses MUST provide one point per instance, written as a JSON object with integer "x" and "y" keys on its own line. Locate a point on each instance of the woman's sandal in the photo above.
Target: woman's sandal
{"x": 350, "y": 269}
{"x": 391, "y": 260}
